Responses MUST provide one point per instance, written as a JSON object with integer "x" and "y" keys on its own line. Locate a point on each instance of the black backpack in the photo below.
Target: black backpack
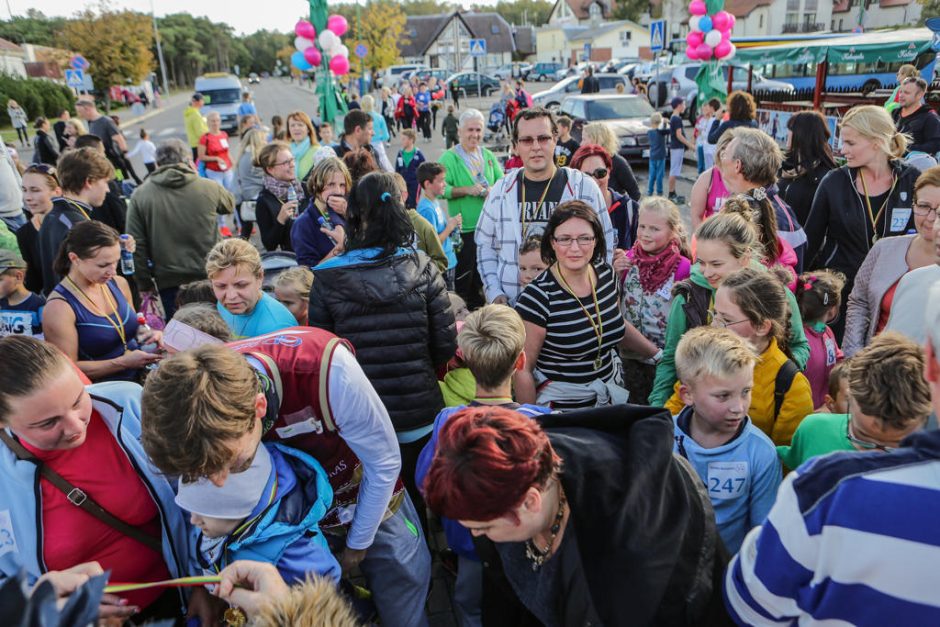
{"x": 782, "y": 384}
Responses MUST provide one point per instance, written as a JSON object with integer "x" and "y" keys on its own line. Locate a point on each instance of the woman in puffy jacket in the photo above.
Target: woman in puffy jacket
{"x": 391, "y": 303}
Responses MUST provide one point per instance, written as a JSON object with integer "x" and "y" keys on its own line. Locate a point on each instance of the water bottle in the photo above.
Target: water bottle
{"x": 456, "y": 240}
{"x": 326, "y": 223}
{"x": 292, "y": 197}
{"x": 127, "y": 257}
{"x": 143, "y": 334}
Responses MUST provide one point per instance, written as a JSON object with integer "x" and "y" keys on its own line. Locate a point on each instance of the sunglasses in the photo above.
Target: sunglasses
{"x": 42, "y": 168}
{"x": 599, "y": 173}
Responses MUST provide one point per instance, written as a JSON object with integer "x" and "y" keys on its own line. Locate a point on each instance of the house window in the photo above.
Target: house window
{"x": 625, "y": 37}
{"x": 594, "y": 10}
{"x": 760, "y": 21}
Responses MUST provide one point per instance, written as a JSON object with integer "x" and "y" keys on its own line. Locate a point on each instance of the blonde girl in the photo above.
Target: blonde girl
{"x": 658, "y": 260}
{"x": 292, "y": 289}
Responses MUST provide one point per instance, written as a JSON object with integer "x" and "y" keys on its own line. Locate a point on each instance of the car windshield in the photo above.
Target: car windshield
{"x": 222, "y": 96}
{"x": 616, "y": 108}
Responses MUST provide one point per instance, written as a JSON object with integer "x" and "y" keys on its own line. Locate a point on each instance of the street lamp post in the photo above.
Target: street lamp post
{"x": 156, "y": 35}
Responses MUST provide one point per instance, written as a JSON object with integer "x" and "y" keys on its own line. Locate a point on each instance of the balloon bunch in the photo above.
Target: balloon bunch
{"x": 308, "y": 56}
{"x": 709, "y": 35}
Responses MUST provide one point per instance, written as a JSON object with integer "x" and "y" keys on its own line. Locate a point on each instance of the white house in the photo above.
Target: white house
{"x": 12, "y": 59}
{"x": 603, "y": 41}
{"x": 443, "y": 40}
{"x": 848, "y": 14}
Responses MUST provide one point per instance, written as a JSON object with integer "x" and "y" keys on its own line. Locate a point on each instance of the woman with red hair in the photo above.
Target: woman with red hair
{"x": 596, "y": 162}
{"x": 583, "y": 518}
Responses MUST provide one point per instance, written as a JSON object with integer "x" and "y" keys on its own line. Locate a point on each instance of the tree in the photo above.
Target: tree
{"x": 630, "y": 9}
{"x": 381, "y": 29}
{"x": 427, "y": 7}
{"x": 34, "y": 28}
{"x": 116, "y": 44}
{"x": 931, "y": 8}
{"x": 262, "y": 48}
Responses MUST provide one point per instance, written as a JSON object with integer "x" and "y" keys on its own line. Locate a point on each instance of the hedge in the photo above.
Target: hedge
{"x": 36, "y": 96}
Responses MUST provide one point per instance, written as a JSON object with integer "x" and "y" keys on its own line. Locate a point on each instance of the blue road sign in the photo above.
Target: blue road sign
{"x": 362, "y": 51}
{"x": 587, "y": 52}
{"x": 657, "y": 35}
{"x": 78, "y": 62}
{"x": 477, "y": 47}
{"x": 74, "y": 78}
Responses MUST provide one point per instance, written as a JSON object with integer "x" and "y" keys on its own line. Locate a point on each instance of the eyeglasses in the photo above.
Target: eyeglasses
{"x": 925, "y": 209}
{"x": 718, "y": 321}
{"x": 599, "y": 173}
{"x": 583, "y": 241}
{"x": 543, "y": 140}
{"x": 279, "y": 163}
{"x": 84, "y": 103}
{"x": 42, "y": 168}
{"x": 864, "y": 444}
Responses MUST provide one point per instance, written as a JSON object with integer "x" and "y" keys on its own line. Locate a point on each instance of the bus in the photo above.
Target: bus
{"x": 856, "y": 63}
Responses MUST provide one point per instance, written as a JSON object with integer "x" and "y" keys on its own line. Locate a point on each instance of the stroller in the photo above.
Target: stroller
{"x": 496, "y": 124}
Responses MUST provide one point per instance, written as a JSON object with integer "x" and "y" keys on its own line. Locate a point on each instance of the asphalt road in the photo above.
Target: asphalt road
{"x": 276, "y": 96}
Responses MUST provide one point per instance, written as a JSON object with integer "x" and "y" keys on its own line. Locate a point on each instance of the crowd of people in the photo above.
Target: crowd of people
{"x": 616, "y": 421}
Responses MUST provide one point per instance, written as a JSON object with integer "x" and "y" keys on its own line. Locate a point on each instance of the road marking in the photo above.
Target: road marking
{"x": 166, "y": 131}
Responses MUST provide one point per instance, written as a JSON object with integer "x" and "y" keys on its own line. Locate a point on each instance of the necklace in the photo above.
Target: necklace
{"x": 871, "y": 216}
{"x": 116, "y": 323}
{"x": 538, "y": 205}
{"x": 598, "y": 327}
{"x": 537, "y": 555}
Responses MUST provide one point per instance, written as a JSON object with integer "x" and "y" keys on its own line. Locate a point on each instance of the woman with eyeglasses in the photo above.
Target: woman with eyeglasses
{"x": 283, "y": 193}
{"x": 40, "y": 186}
{"x": 888, "y": 261}
{"x": 572, "y": 319}
{"x": 595, "y": 161}
{"x": 889, "y": 399}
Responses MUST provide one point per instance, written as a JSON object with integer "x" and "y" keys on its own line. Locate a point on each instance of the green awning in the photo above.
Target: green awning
{"x": 903, "y": 52}
{"x": 780, "y": 55}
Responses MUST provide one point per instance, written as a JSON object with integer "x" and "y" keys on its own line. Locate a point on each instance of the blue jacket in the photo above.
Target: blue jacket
{"x": 410, "y": 174}
{"x": 118, "y": 403}
{"x": 286, "y": 531}
{"x": 657, "y": 138}
{"x": 458, "y": 538}
{"x": 379, "y": 127}
{"x": 311, "y": 244}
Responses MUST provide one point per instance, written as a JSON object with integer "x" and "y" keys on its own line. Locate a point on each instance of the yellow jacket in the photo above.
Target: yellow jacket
{"x": 195, "y": 125}
{"x": 797, "y": 402}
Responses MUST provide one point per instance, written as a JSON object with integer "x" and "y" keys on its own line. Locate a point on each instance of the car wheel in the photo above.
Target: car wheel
{"x": 486, "y": 92}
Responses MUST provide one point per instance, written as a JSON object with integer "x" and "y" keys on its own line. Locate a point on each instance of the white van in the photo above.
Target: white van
{"x": 392, "y": 74}
{"x": 222, "y": 93}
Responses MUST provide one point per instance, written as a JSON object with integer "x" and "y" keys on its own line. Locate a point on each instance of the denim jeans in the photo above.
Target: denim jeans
{"x": 398, "y": 569}
{"x": 657, "y": 172}
{"x": 700, "y": 158}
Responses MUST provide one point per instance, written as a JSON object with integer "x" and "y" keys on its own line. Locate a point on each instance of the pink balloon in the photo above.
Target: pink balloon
{"x": 723, "y": 49}
{"x": 695, "y": 38}
{"x": 339, "y": 65}
{"x": 697, "y": 7}
{"x": 720, "y": 20}
{"x": 690, "y": 52}
{"x": 337, "y": 24}
{"x": 313, "y": 56}
{"x": 305, "y": 29}
{"x": 731, "y": 21}
{"x": 704, "y": 52}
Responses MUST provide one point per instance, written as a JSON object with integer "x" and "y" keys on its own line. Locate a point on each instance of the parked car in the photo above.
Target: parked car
{"x": 253, "y": 78}
{"x": 392, "y": 74}
{"x": 627, "y": 115}
{"x": 425, "y": 75}
{"x": 544, "y": 71}
{"x": 474, "y": 84}
{"x": 681, "y": 82}
{"x": 551, "y": 98}
{"x": 647, "y": 70}
{"x": 511, "y": 70}
{"x": 575, "y": 70}
{"x": 615, "y": 65}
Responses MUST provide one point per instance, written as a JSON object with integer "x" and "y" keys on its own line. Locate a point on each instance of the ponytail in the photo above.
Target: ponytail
{"x": 753, "y": 214}
{"x": 84, "y": 239}
{"x": 898, "y": 145}
{"x": 762, "y": 296}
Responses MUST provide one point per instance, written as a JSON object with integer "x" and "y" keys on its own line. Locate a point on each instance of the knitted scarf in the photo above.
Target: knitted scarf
{"x": 656, "y": 268}
{"x": 279, "y": 188}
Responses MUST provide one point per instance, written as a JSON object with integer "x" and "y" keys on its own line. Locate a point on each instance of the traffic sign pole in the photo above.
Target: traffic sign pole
{"x": 477, "y": 50}
{"x": 657, "y": 43}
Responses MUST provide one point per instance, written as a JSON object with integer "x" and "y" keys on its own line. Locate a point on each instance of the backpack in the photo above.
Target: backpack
{"x": 782, "y": 384}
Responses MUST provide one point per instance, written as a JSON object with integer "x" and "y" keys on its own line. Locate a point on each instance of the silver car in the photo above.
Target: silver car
{"x": 681, "y": 82}
{"x": 552, "y": 98}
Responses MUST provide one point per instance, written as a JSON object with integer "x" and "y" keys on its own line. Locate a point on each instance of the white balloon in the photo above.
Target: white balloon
{"x": 302, "y": 43}
{"x": 693, "y": 22}
{"x": 328, "y": 39}
{"x": 341, "y": 50}
{"x": 731, "y": 54}
{"x": 713, "y": 38}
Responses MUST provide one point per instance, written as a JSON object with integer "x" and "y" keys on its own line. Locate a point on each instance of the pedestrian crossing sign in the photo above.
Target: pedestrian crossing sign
{"x": 74, "y": 78}
{"x": 657, "y": 35}
{"x": 477, "y": 47}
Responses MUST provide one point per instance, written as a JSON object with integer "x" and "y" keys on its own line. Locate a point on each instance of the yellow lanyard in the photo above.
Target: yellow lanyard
{"x": 79, "y": 207}
{"x": 537, "y": 206}
{"x": 597, "y": 327}
{"x": 116, "y": 323}
{"x": 874, "y": 218}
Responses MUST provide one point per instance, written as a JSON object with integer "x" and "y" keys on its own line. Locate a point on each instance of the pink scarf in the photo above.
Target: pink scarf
{"x": 656, "y": 268}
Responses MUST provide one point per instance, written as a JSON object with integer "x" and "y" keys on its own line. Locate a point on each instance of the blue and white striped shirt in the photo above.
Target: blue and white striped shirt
{"x": 853, "y": 539}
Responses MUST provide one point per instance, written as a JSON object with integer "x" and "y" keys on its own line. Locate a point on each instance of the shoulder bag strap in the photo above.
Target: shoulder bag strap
{"x": 782, "y": 384}
{"x": 79, "y": 498}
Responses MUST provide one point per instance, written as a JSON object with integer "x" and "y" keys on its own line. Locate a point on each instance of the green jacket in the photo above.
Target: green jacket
{"x": 677, "y": 325}
{"x": 458, "y": 175}
{"x": 428, "y": 240}
{"x": 172, "y": 215}
{"x": 459, "y": 387}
